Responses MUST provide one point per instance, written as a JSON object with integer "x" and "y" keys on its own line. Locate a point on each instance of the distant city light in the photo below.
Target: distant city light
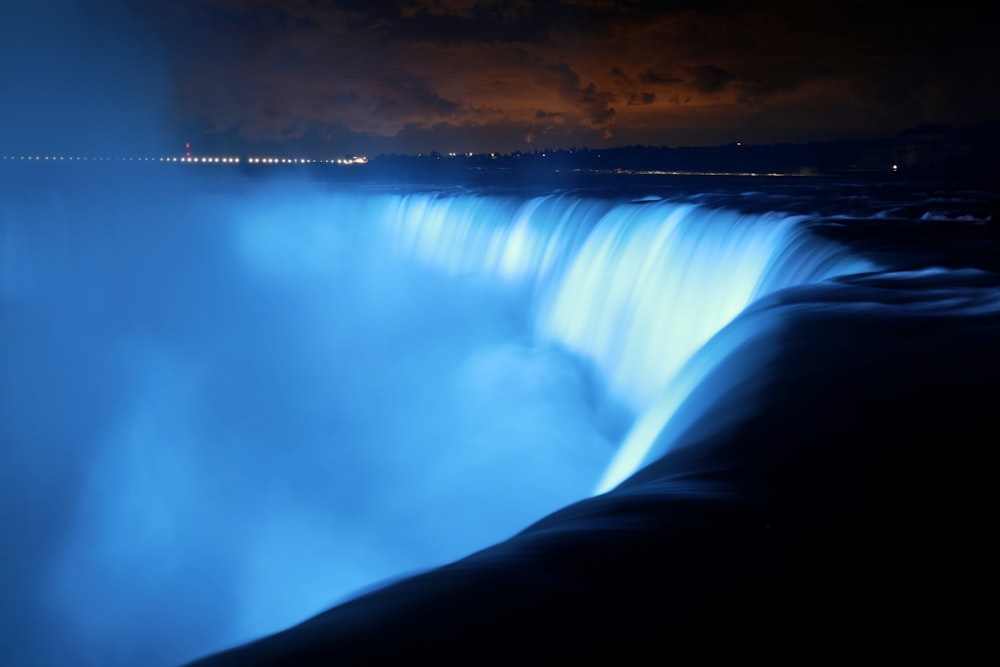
{"x": 204, "y": 159}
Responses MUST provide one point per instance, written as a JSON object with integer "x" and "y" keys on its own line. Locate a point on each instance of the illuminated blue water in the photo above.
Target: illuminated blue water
{"x": 226, "y": 410}
{"x": 635, "y": 288}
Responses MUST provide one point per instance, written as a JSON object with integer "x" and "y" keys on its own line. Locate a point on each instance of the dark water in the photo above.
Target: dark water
{"x": 230, "y": 401}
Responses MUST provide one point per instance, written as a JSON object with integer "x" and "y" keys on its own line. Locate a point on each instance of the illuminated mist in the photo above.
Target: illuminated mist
{"x": 228, "y": 407}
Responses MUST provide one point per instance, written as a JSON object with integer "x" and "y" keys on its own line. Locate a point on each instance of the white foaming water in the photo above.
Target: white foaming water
{"x": 635, "y": 287}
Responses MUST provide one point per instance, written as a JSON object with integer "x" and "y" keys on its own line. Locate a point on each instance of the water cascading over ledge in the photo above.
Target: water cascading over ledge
{"x": 636, "y": 288}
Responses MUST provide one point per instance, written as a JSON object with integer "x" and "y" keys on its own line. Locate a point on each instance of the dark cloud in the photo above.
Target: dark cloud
{"x": 489, "y": 22}
{"x": 596, "y": 106}
{"x": 362, "y": 72}
{"x": 592, "y": 104}
{"x": 651, "y": 78}
{"x": 709, "y": 79}
{"x": 634, "y": 95}
{"x": 415, "y": 102}
{"x": 549, "y": 115}
{"x": 641, "y": 98}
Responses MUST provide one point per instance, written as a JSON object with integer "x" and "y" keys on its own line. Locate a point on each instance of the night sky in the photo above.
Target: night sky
{"x": 320, "y": 77}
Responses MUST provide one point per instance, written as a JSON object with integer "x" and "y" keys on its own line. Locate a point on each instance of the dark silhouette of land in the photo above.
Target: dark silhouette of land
{"x": 935, "y": 151}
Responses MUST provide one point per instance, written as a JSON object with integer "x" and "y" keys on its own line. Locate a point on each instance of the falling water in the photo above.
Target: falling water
{"x": 635, "y": 288}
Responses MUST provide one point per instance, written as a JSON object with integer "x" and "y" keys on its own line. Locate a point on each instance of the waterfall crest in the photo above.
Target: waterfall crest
{"x": 634, "y": 287}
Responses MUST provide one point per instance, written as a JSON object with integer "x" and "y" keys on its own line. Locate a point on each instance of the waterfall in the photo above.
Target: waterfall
{"x": 634, "y": 287}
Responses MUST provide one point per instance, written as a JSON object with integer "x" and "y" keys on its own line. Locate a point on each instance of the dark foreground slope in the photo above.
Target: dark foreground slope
{"x": 847, "y": 517}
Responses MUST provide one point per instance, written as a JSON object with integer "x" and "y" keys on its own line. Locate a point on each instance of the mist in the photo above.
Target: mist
{"x": 226, "y": 407}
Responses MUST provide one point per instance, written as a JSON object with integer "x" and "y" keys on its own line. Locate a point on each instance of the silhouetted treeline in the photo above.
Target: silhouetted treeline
{"x": 926, "y": 150}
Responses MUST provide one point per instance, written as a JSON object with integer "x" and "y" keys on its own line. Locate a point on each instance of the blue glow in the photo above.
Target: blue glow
{"x": 635, "y": 288}
{"x": 247, "y": 404}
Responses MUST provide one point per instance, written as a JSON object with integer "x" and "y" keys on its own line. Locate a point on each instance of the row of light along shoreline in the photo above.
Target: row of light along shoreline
{"x": 187, "y": 159}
